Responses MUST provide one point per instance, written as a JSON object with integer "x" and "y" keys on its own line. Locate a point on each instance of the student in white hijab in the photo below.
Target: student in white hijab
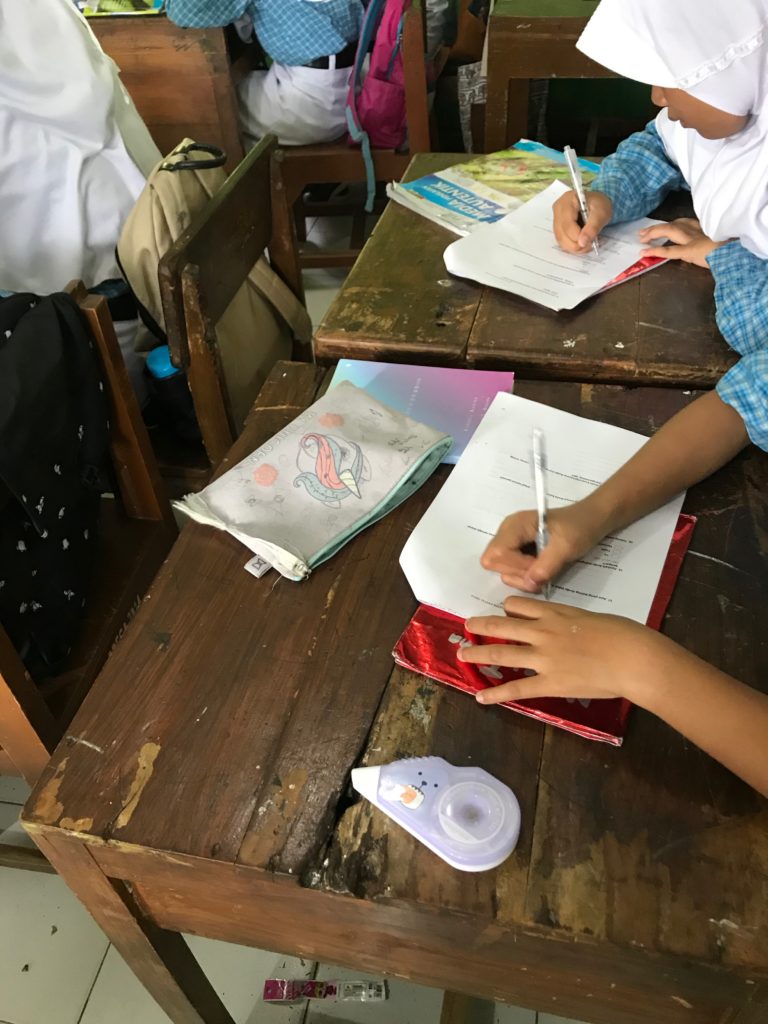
{"x": 708, "y": 63}
{"x": 74, "y": 152}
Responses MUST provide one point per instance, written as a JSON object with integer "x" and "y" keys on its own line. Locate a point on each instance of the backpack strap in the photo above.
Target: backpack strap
{"x": 357, "y": 133}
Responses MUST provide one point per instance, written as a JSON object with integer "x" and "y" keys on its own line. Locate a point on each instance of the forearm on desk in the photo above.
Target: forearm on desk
{"x": 724, "y": 717}
{"x": 693, "y": 444}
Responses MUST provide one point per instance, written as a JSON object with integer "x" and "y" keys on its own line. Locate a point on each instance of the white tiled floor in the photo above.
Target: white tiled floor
{"x": 321, "y": 286}
{"x": 56, "y": 966}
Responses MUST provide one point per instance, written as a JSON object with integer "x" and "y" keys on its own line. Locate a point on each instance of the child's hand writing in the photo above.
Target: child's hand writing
{"x": 573, "y": 531}
{"x": 574, "y": 653}
{"x": 690, "y": 244}
{"x": 570, "y": 234}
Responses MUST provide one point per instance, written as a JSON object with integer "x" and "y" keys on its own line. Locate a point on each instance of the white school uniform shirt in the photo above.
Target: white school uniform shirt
{"x": 74, "y": 153}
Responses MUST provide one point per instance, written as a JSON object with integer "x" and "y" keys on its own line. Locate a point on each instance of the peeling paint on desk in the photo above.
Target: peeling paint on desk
{"x": 280, "y": 804}
{"x": 657, "y": 327}
{"x": 717, "y": 561}
{"x": 332, "y": 592}
{"x": 76, "y": 824}
{"x": 79, "y": 741}
{"x": 144, "y": 768}
{"x": 419, "y": 712}
{"x": 728, "y": 925}
{"x": 48, "y": 808}
{"x": 682, "y": 1002}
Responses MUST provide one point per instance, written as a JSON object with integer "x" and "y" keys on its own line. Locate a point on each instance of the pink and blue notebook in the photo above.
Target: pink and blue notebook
{"x": 452, "y": 401}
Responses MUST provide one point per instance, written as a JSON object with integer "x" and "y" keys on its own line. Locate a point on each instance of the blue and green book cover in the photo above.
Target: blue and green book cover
{"x": 486, "y": 188}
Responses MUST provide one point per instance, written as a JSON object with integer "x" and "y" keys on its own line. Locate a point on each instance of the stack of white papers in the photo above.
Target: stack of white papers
{"x": 492, "y": 479}
{"x": 519, "y": 254}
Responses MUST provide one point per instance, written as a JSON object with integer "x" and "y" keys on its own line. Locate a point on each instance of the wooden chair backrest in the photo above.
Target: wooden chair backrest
{"x": 205, "y": 268}
{"x": 28, "y": 728}
{"x": 141, "y": 490}
{"x": 337, "y": 161}
{"x": 223, "y": 241}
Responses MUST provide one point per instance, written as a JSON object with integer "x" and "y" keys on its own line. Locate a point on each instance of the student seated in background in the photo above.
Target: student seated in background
{"x": 708, "y": 61}
{"x": 74, "y": 155}
{"x": 708, "y": 64}
{"x": 302, "y": 96}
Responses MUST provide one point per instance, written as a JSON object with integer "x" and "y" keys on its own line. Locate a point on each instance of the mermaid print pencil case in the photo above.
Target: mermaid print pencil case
{"x": 341, "y": 465}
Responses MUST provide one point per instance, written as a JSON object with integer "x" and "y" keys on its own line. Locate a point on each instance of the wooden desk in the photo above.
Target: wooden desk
{"x": 399, "y": 303}
{"x": 182, "y": 80}
{"x": 204, "y": 785}
{"x": 531, "y": 39}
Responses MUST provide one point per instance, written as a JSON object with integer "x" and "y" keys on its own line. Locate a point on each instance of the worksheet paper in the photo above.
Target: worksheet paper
{"x": 520, "y": 254}
{"x": 492, "y": 479}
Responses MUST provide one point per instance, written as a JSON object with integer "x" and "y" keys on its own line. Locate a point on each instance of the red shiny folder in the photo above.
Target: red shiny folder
{"x": 432, "y": 638}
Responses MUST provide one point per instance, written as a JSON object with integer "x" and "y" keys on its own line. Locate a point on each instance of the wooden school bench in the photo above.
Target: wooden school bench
{"x": 212, "y": 794}
{"x": 399, "y": 303}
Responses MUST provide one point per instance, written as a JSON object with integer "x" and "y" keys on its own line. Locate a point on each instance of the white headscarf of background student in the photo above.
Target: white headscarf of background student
{"x": 74, "y": 152}
{"x": 716, "y": 50}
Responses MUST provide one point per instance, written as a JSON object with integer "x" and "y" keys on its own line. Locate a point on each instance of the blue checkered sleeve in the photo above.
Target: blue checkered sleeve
{"x": 291, "y": 31}
{"x": 741, "y": 297}
{"x": 745, "y": 388}
{"x": 298, "y": 31}
{"x": 205, "y": 13}
{"x": 638, "y": 176}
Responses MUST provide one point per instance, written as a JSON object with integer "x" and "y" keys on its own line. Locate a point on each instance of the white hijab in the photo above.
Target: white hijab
{"x": 716, "y": 50}
{"x": 73, "y": 150}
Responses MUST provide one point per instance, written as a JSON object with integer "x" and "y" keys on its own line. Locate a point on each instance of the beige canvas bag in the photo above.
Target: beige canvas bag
{"x": 263, "y": 319}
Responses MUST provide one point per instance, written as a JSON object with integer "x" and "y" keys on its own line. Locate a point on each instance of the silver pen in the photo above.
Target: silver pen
{"x": 539, "y": 474}
{"x": 578, "y": 187}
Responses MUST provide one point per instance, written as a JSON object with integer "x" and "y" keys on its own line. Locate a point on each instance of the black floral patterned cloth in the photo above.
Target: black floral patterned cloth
{"x": 53, "y": 458}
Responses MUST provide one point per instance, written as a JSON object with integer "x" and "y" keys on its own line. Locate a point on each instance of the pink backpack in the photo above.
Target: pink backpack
{"x": 376, "y": 106}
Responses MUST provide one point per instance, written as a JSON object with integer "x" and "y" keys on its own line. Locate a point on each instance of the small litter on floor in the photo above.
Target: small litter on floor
{"x": 294, "y": 990}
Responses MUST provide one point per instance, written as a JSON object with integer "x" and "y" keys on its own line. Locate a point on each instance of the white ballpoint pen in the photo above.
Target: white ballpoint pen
{"x": 539, "y": 474}
{"x": 578, "y": 188}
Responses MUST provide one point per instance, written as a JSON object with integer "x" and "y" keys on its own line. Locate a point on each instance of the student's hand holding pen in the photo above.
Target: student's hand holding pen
{"x": 570, "y": 235}
{"x": 573, "y": 531}
{"x": 699, "y": 439}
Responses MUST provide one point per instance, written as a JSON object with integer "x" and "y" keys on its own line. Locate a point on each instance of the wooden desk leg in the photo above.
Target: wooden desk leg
{"x": 518, "y": 93}
{"x": 161, "y": 960}
{"x": 28, "y": 732}
{"x": 284, "y": 244}
{"x": 496, "y": 101}
{"x": 506, "y": 112}
{"x": 506, "y": 104}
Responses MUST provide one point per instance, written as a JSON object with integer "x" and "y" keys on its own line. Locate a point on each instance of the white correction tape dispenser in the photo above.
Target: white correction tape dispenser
{"x": 464, "y": 815}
